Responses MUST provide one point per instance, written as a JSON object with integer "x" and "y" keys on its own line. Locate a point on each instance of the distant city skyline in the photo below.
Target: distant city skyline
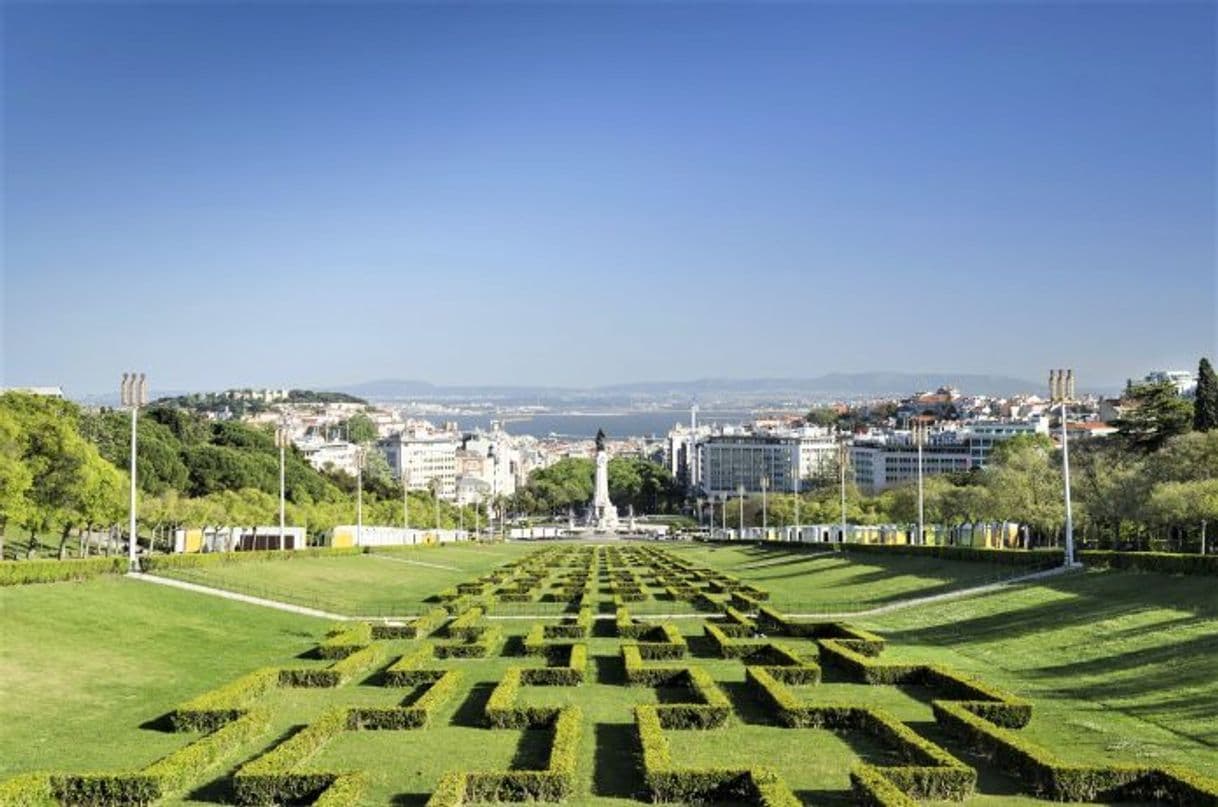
{"x": 294, "y": 195}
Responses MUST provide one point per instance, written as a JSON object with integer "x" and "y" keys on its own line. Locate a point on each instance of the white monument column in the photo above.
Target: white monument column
{"x": 603, "y": 511}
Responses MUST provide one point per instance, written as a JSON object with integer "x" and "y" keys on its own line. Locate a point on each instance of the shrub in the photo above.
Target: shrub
{"x": 485, "y": 644}
{"x": 662, "y": 641}
{"x": 1006, "y": 557}
{"x": 345, "y": 641}
{"x": 466, "y": 627}
{"x": 1164, "y": 562}
{"x": 756, "y": 786}
{"x": 168, "y": 775}
{"x": 337, "y": 673}
{"x": 1046, "y": 775}
{"x": 344, "y": 791}
{"x": 440, "y": 687}
{"x": 155, "y": 563}
{"x": 406, "y": 671}
{"x": 209, "y": 711}
{"x": 273, "y": 777}
{"x": 25, "y": 572}
{"x": 27, "y": 790}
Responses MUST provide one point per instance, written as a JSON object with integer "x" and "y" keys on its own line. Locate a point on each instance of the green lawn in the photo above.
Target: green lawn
{"x": 1118, "y": 664}
{"x": 1121, "y": 667}
{"x": 84, "y": 665}
{"x": 803, "y": 581}
{"x": 388, "y": 582}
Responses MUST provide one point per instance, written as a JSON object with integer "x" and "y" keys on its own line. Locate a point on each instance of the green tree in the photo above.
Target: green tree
{"x": 15, "y": 476}
{"x": 1025, "y": 484}
{"x": 1185, "y": 504}
{"x": 1154, "y": 414}
{"x": 1205, "y": 405}
{"x": 359, "y": 428}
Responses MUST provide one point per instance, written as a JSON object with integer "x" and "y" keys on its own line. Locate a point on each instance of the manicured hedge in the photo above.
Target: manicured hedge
{"x": 1006, "y": 557}
{"x": 345, "y": 640}
{"x": 628, "y": 628}
{"x": 665, "y": 782}
{"x": 872, "y": 789}
{"x": 466, "y": 627}
{"x": 489, "y": 639}
{"x": 1045, "y": 775}
{"x": 407, "y": 671}
{"x": 166, "y": 776}
{"x": 932, "y": 773}
{"x": 337, "y": 673}
{"x": 155, "y": 563}
{"x": 662, "y": 641}
{"x": 209, "y": 711}
{"x": 25, "y": 572}
{"x": 569, "y": 671}
{"x": 978, "y": 697}
{"x": 27, "y": 790}
{"x": 441, "y": 686}
{"x": 274, "y": 778}
{"x": 1165, "y": 562}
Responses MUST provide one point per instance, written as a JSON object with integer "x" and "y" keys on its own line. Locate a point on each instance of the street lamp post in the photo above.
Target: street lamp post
{"x": 281, "y": 440}
{"x": 1061, "y": 391}
{"x": 796, "y": 505}
{"x": 841, "y": 461}
{"x": 765, "y": 524}
{"x": 740, "y": 494}
{"x": 359, "y": 496}
{"x": 919, "y": 437}
{"x": 405, "y": 492}
{"x": 133, "y": 393}
{"x": 700, "y": 513}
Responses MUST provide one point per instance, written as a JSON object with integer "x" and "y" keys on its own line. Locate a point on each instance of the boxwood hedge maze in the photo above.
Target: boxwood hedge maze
{"x": 733, "y": 702}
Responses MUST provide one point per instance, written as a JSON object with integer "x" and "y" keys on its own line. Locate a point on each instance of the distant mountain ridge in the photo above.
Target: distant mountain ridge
{"x": 828, "y": 385}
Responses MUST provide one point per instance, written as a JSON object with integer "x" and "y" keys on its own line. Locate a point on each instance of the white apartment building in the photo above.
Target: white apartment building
{"x": 889, "y": 459}
{"x": 321, "y": 454}
{"x": 730, "y": 462}
{"x": 1185, "y": 381}
{"x": 877, "y": 465}
{"x": 420, "y": 459}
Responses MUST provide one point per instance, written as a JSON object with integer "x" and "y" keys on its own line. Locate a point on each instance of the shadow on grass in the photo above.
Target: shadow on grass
{"x": 745, "y": 703}
{"x": 825, "y": 798}
{"x": 533, "y": 750}
{"x": 161, "y": 724}
{"x": 409, "y": 799}
{"x": 610, "y": 670}
{"x": 472, "y": 711}
{"x": 615, "y": 764}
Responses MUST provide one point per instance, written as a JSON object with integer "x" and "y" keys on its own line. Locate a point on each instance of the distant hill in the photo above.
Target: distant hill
{"x": 831, "y": 385}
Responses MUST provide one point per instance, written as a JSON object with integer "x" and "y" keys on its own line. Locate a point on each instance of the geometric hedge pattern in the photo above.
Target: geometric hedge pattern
{"x": 598, "y": 586}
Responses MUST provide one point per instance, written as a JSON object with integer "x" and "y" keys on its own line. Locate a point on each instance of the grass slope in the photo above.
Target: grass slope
{"x": 800, "y": 581}
{"x": 83, "y": 665}
{"x": 389, "y": 582}
{"x": 1119, "y": 664}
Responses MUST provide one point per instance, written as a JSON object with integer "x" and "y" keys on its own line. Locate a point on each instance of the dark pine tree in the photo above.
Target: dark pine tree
{"x": 1205, "y": 408}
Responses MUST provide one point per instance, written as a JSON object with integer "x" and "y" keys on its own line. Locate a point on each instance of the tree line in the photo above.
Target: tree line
{"x": 63, "y": 475}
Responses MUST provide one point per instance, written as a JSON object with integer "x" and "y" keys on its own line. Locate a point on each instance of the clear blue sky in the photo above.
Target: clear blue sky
{"x": 307, "y": 194}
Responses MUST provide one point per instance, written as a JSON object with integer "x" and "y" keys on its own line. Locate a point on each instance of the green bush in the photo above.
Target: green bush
{"x": 209, "y": 711}
{"x": 1008, "y": 557}
{"x": 754, "y": 786}
{"x": 466, "y": 627}
{"x": 345, "y": 641}
{"x": 156, "y": 563}
{"x": 489, "y": 639}
{"x": 344, "y": 791}
{"x": 1044, "y": 774}
{"x": 25, "y": 572}
{"x": 441, "y": 686}
{"x": 273, "y": 777}
{"x": 166, "y": 776}
{"x": 27, "y": 790}
{"x": 407, "y": 671}
{"x": 1164, "y": 562}
{"x": 872, "y": 789}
